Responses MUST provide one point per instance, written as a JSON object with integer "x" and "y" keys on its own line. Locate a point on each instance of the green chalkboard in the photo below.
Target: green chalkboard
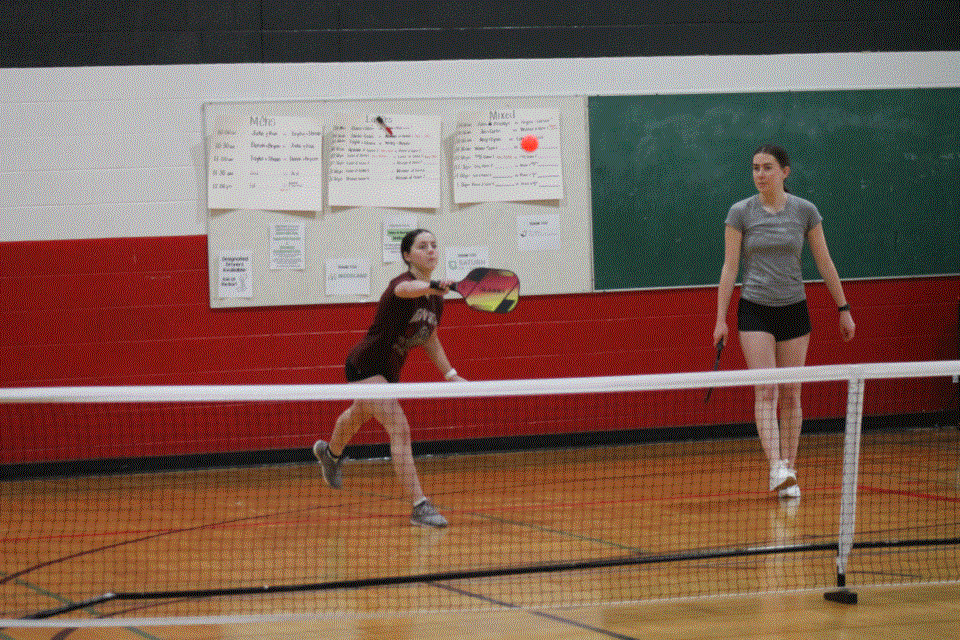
{"x": 882, "y": 166}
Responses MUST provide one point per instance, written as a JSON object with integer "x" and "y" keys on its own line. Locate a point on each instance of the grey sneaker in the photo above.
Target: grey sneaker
{"x": 328, "y": 464}
{"x": 426, "y": 515}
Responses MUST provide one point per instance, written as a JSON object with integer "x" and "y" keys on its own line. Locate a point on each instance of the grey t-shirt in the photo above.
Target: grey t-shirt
{"x": 770, "y": 252}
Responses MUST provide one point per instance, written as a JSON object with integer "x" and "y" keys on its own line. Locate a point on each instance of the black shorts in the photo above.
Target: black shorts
{"x": 785, "y": 323}
{"x": 354, "y": 374}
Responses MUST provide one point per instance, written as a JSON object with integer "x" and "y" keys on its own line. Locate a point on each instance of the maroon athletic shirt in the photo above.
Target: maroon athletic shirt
{"x": 399, "y": 325}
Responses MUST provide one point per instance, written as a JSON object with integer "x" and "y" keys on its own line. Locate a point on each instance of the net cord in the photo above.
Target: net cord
{"x": 476, "y": 389}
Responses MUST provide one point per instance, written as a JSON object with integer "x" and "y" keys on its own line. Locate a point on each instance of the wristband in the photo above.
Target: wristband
{"x": 450, "y": 375}
{"x": 842, "y": 308}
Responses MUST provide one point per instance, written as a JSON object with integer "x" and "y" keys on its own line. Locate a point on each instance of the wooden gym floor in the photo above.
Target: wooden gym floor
{"x": 65, "y": 540}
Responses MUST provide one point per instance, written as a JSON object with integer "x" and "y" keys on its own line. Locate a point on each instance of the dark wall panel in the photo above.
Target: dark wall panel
{"x": 119, "y": 32}
{"x": 58, "y": 16}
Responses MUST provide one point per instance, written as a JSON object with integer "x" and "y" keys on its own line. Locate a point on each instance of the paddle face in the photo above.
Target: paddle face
{"x": 486, "y": 289}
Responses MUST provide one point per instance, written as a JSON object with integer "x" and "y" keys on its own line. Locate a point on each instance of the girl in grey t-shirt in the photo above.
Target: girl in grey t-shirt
{"x": 766, "y": 233}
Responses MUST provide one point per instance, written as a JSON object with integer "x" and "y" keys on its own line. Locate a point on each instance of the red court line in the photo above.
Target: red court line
{"x": 909, "y": 494}
{"x": 148, "y": 534}
{"x": 258, "y": 521}
{"x": 76, "y": 536}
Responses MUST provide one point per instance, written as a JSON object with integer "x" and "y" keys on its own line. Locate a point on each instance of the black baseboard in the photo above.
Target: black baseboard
{"x": 115, "y": 466}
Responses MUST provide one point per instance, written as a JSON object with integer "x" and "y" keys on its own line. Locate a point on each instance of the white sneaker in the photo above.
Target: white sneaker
{"x": 790, "y": 493}
{"x": 781, "y": 476}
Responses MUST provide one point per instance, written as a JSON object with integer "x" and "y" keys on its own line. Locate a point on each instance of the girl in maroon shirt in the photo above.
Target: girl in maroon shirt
{"x": 407, "y": 317}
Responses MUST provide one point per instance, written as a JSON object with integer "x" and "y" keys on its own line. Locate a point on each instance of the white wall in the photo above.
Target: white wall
{"x": 102, "y": 152}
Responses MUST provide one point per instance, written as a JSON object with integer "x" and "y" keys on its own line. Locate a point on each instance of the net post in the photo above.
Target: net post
{"x": 848, "y": 497}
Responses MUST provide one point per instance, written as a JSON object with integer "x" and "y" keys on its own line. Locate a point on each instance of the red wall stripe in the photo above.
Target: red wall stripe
{"x": 135, "y": 311}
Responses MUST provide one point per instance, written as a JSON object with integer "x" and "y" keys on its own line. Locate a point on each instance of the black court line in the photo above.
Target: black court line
{"x": 152, "y": 536}
{"x": 163, "y": 533}
{"x": 533, "y": 612}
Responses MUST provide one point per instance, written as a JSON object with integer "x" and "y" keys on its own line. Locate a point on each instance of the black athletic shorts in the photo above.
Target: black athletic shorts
{"x": 785, "y": 323}
{"x": 354, "y": 374}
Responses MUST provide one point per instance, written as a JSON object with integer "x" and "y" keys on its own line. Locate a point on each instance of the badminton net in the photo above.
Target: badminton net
{"x": 206, "y": 501}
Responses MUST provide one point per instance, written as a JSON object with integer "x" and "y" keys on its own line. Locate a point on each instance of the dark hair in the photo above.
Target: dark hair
{"x": 779, "y": 154}
{"x": 407, "y": 243}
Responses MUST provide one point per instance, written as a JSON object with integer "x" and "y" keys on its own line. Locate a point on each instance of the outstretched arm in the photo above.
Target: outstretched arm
{"x": 439, "y": 358}
{"x": 417, "y": 288}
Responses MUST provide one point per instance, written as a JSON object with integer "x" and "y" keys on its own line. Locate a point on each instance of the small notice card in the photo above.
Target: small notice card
{"x": 508, "y": 155}
{"x": 235, "y": 277}
{"x": 461, "y": 260}
{"x": 394, "y": 228}
{"x": 347, "y": 277}
{"x": 287, "y": 246}
{"x": 538, "y": 232}
{"x": 265, "y": 162}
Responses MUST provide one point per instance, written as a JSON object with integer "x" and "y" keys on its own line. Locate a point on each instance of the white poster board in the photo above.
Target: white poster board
{"x": 557, "y": 260}
{"x": 508, "y": 154}
{"x": 385, "y": 161}
{"x": 265, "y": 162}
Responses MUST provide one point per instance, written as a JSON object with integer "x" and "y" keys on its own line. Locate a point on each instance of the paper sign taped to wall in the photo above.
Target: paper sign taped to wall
{"x": 347, "y": 277}
{"x": 265, "y": 162}
{"x": 235, "y": 275}
{"x": 287, "y": 242}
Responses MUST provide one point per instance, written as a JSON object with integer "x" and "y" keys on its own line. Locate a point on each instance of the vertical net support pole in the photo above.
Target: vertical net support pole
{"x": 848, "y": 497}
